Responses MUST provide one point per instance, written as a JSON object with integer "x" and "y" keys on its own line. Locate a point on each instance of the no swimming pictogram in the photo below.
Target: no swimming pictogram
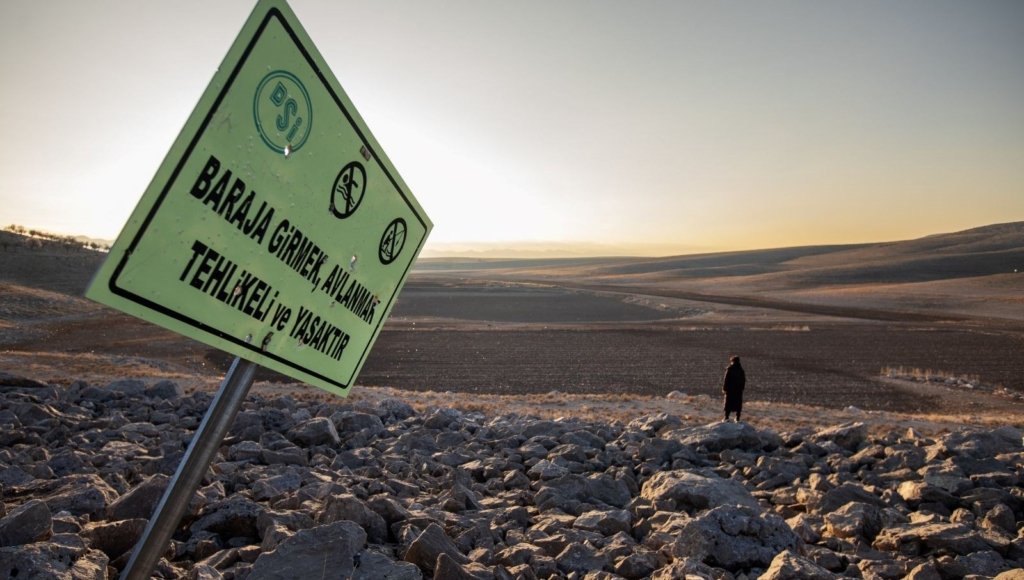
{"x": 349, "y": 186}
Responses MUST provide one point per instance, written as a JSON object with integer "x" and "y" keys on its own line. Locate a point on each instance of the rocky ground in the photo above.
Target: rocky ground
{"x": 377, "y": 489}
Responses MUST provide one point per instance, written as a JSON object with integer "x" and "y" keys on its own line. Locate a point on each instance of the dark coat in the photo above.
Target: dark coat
{"x": 732, "y": 385}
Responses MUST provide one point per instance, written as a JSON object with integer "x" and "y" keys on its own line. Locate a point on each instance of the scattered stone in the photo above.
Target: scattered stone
{"x": 846, "y": 493}
{"x": 428, "y": 545}
{"x": 64, "y": 556}
{"x": 580, "y": 558}
{"x": 604, "y": 522}
{"x": 164, "y": 390}
{"x": 277, "y": 486}
{"x": 318, "y": 431}
{"x": 312, "y": 553}
{"x": 351, "y": 423}
{"x": 376, "y": 490}
{"x": 735, "y": 537}
{"x": 689, "y": 491}
{"x": 848, "y": 436}
{"x": 19, "y": 382}
{"x": 718, "y": 436}
{"x": 114, "y": 538}
{"x": 233, "y": 517}
{"x": 787, "y": 565}
{"x": 924, "y": 571}
{"x": 131, "y": 387}
{"x": 446, "y": 567}
{"x": 25, "y": 524}
{"x": 348, "y": 507}
{"x": 377, "y": 566}
{"x": 83, "y": 494}
{"x": 141, "y": 501}
{"x": 855, "y": 520}
{"x": 917, "y": 540}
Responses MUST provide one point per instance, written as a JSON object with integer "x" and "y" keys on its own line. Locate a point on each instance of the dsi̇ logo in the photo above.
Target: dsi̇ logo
{"x": 283, "y": 112}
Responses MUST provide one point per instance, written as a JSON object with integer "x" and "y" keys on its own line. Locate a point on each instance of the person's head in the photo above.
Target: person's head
{"x": 734, "y": 360}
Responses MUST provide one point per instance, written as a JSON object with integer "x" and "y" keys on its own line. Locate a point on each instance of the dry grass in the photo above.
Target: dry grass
{"x": 693, "y": 409}
{"x": 950, "y": 380}
{"x": 605, "y": 409}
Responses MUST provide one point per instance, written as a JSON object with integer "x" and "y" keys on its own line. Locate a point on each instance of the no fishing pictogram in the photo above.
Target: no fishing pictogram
{"x": 392, "y": 242}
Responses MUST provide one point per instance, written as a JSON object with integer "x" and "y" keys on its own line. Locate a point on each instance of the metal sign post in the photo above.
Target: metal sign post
{"x": 276, "y": 229}
{"x": 204, "y": 445}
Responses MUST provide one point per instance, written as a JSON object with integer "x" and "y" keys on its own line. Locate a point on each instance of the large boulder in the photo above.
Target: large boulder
{"x": 916, "y": 540}
{"x": 571, "y": 493}
{"x": 348, "y": 507}
{"x": 608, "y": 490}
{"x": 316, "y": 431}
{"x": 276, "y": 486}
{"x": 652, "y": 425}
{"x": 80, "y": 494}
{"x": 735, "y": 537}
{"x": 448, "y": 568}
{"x": 689, "y": 491}
{"x": 394, "y": 409}
{"x": 977, "y": 444}
{"x": 604, "y": 522}
{"x": 855, "y": 520}
{"x": 141, "y": 500}
{"x": 718, "y": 437}
{"x": 65, "y": 556}
{"x": 848, "y": 436}
{"x": 788, "y": 565}
{"x": 234, "y": 517}
{"x": 839, "y": 496}
{"x": 377, "y": 566}
{"x": 350, "y": 423}
{"x": 580, "y": 558}
{"x": 916, "y": 493}
{"x": 428, "y": 545}
{"x": 312, "y": 553}
{"x": 28, "y": 523}
{"x": 114, "y": 538}
{"x": 164, "y": 390}
{"x": 17, "y": 381}
{"x": 130, "y": 387}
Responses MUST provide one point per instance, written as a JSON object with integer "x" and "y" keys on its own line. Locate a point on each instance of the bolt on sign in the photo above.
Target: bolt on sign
{"x": 276, "y": 228}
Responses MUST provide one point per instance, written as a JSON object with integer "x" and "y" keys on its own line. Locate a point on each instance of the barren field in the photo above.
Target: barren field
{"x": 834, "y": 366}
{"x": 463, "y": 335}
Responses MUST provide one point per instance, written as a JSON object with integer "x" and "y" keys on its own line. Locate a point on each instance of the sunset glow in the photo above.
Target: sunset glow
{"x": 571, "y": 128}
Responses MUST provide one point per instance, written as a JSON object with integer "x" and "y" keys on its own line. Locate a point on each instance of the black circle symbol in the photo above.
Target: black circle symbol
{"x": 392, "y": 242}
{"x": 347, "y": 193}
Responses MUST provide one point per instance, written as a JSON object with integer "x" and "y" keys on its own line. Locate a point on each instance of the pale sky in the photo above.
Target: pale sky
{"x": 593, "y": 127}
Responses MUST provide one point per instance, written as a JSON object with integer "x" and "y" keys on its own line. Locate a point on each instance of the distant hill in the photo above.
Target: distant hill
{"x": 983, "y": 251}
{"x": 56, "y": 266}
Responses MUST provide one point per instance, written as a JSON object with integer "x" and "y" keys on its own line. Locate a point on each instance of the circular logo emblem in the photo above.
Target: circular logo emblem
{"x": 348, "y": 190}
{"x": 283, "y": 112}
{"x": 392, "y": 242}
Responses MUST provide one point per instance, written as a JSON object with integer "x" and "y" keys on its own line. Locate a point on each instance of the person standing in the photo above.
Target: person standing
{"x": 732, "y": 385}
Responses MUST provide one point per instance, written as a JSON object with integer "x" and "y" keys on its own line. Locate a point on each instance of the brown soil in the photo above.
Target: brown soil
{"x": 558, "y": 347}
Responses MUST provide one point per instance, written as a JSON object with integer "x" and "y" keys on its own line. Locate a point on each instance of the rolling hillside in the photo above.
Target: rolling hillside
{"x": 976, "y": 272}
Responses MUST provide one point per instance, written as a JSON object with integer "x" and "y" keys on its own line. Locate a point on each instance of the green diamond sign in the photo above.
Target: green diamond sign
{"x": 276, "y": 228}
